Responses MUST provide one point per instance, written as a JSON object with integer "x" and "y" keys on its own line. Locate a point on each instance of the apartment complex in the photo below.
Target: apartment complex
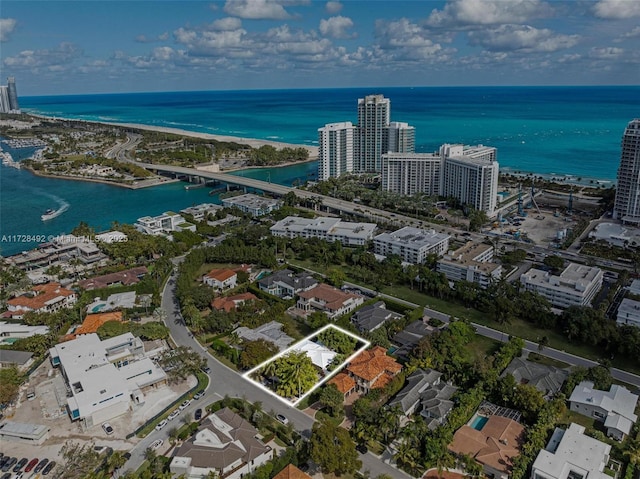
{"x": 629, "y": 313}
{"x": 411, "y": 173}
{"x": 347, "y": 148}
{"x": 470, "y": 174}
{"x": 413, "y": 245}
{"x": 627, "y": 203}
{"x": 571, "y": 454}
{"x": 253, "y": 204}
{"x": 472, "y": 263}
{"x": 105, "y": 377}
{"x": 336, "y": 149}
{"x": 577, "y": 285}
{"x": 329, "y": 229}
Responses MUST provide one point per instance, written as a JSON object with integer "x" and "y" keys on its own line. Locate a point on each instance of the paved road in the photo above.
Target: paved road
{"x": 225, "y": 381}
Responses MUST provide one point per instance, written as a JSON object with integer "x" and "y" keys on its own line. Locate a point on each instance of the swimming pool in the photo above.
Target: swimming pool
{"x": 479, "y": 422}
{"x": 98, "y": 307}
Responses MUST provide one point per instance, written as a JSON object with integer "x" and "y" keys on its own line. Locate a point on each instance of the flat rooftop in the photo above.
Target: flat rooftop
{"x": 416, "y": 237}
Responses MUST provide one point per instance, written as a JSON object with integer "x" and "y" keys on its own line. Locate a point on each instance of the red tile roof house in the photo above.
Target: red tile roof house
{"x": 230, "y": 303}
{"x": 44, "y": 298}
{"x": 371, "y": 369}
{"x": 221, "y": 279}
{"x": 126, "y": 277}
{"x": 494, "y": 446}
{"x": 329, "y": 300}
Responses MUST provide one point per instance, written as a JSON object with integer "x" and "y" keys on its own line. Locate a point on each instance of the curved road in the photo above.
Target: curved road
{"x": 225, "y": 381}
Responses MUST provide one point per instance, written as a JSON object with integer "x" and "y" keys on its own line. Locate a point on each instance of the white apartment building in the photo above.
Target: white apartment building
{"x": 163, "y": 224}
{"x": 336, "y": 153}
{"x": 253, "y": 204}
{"x": 577, "y": 285}
{"x": 571, "y": 454}
{"x": 472, "y": 263}
{"x": 411, "y": 173}
{"x": 627, "y": 203}
{"x": 104, "y": 377}
{"x": 629, "y": 313}
{"x": 329, "y": 229}
{"x": 470, "y": 174}
{"x": 413, "y": 245}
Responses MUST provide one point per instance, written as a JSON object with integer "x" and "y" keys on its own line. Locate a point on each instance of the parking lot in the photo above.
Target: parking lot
{"x": 49, "y": 408}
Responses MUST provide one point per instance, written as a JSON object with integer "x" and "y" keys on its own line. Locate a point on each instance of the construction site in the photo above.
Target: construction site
{"x": 541, "y": 217}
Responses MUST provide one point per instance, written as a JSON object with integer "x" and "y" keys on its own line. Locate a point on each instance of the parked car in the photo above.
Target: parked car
{"x": 161, "y": 424}
{"x": 174, "y": 415}
{"x": 6, "y": 475}
{"x": 21, "y": 463}
{"x": 9, "y": 464}
{"x": 282, "y": 419}
{"x": 362, "y": 449}
{"x": 198, "y": 414}
{"x": 107, "y": 428}
{"x": 49, "y": 468}
{"x": 197, "y": 396}
{"x": 156, "y": 444}
{"x": 206, "y": 369}
{"x": 127, "y": 455}
{"x": 185, "y": 404}
{"x": 31, "y": 465}
{"x": 41, "y": 465}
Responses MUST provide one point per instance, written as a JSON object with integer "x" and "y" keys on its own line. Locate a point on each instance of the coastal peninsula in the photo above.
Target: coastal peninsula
{"x": 105, "y": 152}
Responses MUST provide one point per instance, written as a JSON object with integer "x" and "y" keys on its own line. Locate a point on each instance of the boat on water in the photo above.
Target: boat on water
{"x": 50, "y": 214}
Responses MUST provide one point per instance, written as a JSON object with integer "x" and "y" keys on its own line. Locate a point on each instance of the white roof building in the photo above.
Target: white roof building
{"x": 319, "y": 355}
{"x": 329, "y": 229}
{"x": 614, "y": 407}
{"x": 103, "y": 377}
{"x": 629, "y": 313}
{"x": 163, "y": 224}
{"x": 413, "y": 245}
{"x": 253, "y": 204}
{"x": 577, "y": 285}
{"x": 472, "y": 263}
{"x": 17, "y": 330}
{"x": 570, "y": 454}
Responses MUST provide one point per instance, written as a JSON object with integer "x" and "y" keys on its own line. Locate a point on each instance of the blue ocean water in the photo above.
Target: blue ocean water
{"x": 544, "y": 130}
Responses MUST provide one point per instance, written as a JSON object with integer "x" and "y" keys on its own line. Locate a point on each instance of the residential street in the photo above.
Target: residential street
{"x": 225, "y": 381}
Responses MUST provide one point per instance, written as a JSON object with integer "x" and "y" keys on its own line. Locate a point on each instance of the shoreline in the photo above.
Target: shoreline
{"x": 96, "y": 180}
{"x": 253, "y": 142}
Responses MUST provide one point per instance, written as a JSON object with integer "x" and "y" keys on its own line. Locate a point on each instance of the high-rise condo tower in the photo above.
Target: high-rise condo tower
{"x": 627, "y": 204}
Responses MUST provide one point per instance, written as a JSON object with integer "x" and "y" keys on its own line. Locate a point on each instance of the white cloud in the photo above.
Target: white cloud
{"x": 617, "y": 9}
{"x": 521, "y": 38}
{"x": 606, "y": 53}
{"x": 144, "y": 39}
{"x": 64, "y": 55}
{"x": 256, "y": 9}
{"x": 487, "y": 12}
{"x": 7, "y": 26}
{"x": 635, "y": 33}
{"x": 406, "y": 41}
{"x": 336, "y": 27}
{"x": 333, "y": 7}
{"x": 226, "y": 24}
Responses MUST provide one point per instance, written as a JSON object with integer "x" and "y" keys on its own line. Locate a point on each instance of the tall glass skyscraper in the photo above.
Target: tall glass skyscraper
{"x": 627, "y": 204}
{"x": 13, "y": 94}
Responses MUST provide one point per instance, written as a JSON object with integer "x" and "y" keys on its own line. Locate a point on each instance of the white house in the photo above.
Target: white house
{"x": 629, "y": 313}
{"x": 329, "y": 300}
{"x": 570, "y": 454}
{"x": 615, "y": 408}
{"x": 221, "y": 279}
{"x": 105, "y": 377}
{"x": 162, "y": 224}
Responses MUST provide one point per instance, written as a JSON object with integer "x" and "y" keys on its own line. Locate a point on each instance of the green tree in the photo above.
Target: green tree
{"x": 333, "y": 450}
{"x": 255, "y": 352}
{"x": 296, "y": 374}
{"x": 333, "y": 399}
{"x": 10, "y": 379}
{"x": 79, "y": 460}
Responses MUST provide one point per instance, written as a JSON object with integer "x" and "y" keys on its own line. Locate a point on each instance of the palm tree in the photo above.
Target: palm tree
{"x": 173, "y": 435}
{"x": 149, "y": 454}
{"x": 407, "y": 455}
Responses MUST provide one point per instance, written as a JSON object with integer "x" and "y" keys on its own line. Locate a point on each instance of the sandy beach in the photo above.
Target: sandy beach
{"x": 252, "y": 142}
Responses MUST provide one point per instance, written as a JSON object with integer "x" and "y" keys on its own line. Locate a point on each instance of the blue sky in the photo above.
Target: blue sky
{"x": 67, "y": 47}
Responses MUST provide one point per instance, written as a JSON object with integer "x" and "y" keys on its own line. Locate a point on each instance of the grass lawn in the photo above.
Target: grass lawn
{"x": 537, "y": 358}
{"x": 375, "y": 447}
{"x": 482, "y": 346}
{"x": 571, "y": 416}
